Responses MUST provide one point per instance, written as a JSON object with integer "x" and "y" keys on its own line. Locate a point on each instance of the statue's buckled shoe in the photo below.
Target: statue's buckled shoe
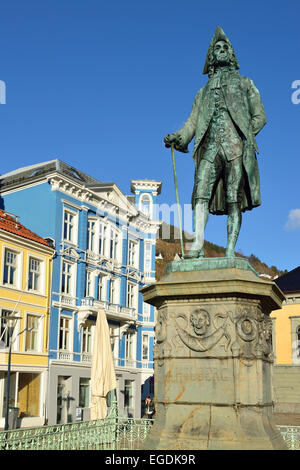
{"x": 194, "y": 254}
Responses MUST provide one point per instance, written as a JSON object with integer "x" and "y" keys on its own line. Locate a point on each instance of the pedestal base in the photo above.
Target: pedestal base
{"x": 213, "y": 360}
{"x": 209, "y": 427}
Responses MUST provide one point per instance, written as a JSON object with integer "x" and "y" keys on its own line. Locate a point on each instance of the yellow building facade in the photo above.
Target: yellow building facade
{"x": 286, "y": 347}
{"x": 286, "y": 323}
{"x": 25, "y": 287}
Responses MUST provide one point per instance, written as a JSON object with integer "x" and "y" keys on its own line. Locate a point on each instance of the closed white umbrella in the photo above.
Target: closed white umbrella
{"x": 103, "y": 376}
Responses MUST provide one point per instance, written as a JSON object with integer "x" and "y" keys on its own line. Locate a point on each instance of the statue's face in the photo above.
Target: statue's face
{"x": 221, "y": 52}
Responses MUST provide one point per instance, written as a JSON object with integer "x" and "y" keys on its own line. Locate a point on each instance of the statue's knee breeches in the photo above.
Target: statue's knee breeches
{"x": 234, "y": 180}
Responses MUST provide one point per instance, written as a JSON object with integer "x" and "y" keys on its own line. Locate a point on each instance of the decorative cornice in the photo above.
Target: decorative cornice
{"x": 116, "y": 205}
{"x": 148, "y": 185}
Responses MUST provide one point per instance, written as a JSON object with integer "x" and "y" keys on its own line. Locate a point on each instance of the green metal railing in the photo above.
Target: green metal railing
{"x": 291, "y": 435}
{"x": 112, "y": 433}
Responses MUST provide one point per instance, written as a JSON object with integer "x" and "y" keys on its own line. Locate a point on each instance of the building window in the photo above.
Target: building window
{"x": 87, "y": 339}
{"x": 67, "y": 278}
{"x": 130, "y": 295}
{"x": 84, "y": 392}
{"x": 132, "y": 253}
{"x": 114, "y": 236}
{"x": 89, "y": 291}
{"x": 113, "y": 340}
{"x": 32, "y": 333}
{"x": 146, "y": 204}
{"x": 10, "y": 268}
{"x": 129, "y": 345}
{"x": 34, "y": 275}
{"x": 6, "y": 326}
{"x": 70, "y": 226}
{"x": 113, "y": 291}
{"x": 102, "y": 239}
{"x": 145, "y": 347}
{"x": 91, "y": 235}
{"x": 101, "y": 287}
{"x": 146, "y": 312}
{"x": 148, "y": 256}
{"x": 64, "y": 333}
{"x": 128, "y": 394}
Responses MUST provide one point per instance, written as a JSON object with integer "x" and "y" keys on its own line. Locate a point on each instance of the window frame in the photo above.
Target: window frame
{"x": 102, "y": 238}
{"x": 87, "y": 333}
{"x": 39, "y": 332}
{"x": 143, "y": 197}
{"x": 69, "y": 330}
{"x": 92, "y": 234}
{"x": 116, "y": 282}
{"x": 89, "y": 274}
{"x": 42, "y": 262}
{"x": 145, "y": 335}
{"x": 19, "y": 267}
{"x": 16, "y": 328}
{"x": 133, "y": 263}
{"x": 72, "y": 278}
{"x": 114, "y": 243}
{"x": 148, "y": 243}
{"x": 131, "y": 286}
{"x": 132, "y": 346}
{"x": 74, "y": 240}
{"x": 104, "y": 287}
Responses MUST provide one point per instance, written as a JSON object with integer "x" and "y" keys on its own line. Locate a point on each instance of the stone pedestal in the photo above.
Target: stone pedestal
{"x": 213, "y": 357}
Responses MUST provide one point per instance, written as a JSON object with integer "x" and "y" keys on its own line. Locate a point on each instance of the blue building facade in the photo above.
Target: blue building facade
{"x": 105, "y": 253}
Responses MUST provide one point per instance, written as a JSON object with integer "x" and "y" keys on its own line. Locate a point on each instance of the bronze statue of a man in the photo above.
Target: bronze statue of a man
{"x": 227, "y": 114}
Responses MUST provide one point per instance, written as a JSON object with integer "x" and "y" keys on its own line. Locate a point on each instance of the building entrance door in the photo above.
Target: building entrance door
{"x": 63, "y": 399}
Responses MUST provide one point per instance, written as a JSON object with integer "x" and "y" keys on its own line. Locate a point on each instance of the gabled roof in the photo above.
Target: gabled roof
{"x": 289, "y": 282}
{"x": 9, "y": 223}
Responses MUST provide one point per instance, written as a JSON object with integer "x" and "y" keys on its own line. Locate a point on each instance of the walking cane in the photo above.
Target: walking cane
{"x": 177, "y": 199}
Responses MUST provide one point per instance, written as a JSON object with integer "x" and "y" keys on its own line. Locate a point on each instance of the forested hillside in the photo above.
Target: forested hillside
{"x": 168, "y": 248}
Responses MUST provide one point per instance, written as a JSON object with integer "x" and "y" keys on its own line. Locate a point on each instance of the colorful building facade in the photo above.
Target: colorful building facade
{"x": 105, "y": 252}
{"x": 286, "y": 321}
{"x": 25, "y": 287}
{"x": 286, "y": 341}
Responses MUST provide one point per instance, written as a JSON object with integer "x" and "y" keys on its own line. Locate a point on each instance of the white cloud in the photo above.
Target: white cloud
{"x": 293, "y": 222}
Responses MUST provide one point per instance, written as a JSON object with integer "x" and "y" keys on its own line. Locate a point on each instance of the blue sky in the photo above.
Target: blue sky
{"x": 98, "y": 85}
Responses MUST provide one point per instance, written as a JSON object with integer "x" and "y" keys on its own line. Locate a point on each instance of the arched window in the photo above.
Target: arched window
{"x": 145, "y": 204}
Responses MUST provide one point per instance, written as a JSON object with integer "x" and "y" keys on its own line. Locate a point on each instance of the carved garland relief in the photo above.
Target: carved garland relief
{"x": 248, "y": 331}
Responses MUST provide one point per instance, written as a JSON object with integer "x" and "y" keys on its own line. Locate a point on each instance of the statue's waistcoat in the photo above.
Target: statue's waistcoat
{"x": 237, "y": 105}
{"x": 221, "y": 133}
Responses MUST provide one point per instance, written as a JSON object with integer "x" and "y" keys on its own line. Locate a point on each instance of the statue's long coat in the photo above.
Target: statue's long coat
{"x": 248, "y": 114}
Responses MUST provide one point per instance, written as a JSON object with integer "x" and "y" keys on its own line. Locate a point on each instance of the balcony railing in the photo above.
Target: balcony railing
{"x": 65, "y": 356}
{"x": 67, "y": 300}
{"x": 133, "y": 363}
{"x": 113, "y": 309}
{"x": 86, "y": 357}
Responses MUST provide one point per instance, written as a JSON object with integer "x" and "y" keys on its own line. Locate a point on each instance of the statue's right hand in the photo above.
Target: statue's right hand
{"x": 171, "y": 139}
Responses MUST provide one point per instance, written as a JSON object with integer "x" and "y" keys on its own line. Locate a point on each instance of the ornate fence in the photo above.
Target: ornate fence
{"x": 291, "y": 435}
{"x": 112, "y": 433}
